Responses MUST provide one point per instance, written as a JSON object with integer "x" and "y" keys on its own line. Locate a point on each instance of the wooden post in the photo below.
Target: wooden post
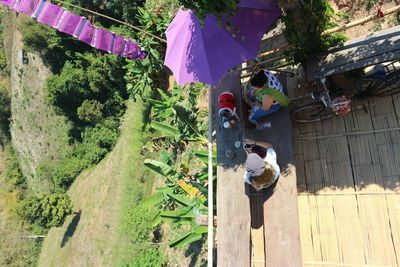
{"x": 360, "y": 21}
{"x": 32, "y": 237}
{"x": 210, "y": 236}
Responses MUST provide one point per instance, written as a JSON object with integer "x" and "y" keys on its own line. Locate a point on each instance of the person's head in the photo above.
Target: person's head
{"x": 259, "y": 80}
{"x": 261, "y": 172}
{"x": 267, "y": 177}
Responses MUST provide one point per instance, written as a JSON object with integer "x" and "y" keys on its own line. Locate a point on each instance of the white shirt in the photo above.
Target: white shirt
{"x": 271, "y": 159}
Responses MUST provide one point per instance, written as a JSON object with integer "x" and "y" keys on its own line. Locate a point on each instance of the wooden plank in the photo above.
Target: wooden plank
{"x": 348, "y": 229}
{"x": 257, "y": 247}
{"x": 383, "y": 115}
{"x": 257, "y": 227}
{"x": 376, "y": 231}
{"x": 327, "y": 229}
{"x": 281, "y": 221}
{"x": 368, "y": 50}
{"x": 306, "y": 234}
{"x": 315, "y": 232}
{"x": 393, "y": 202}
{"x": 233, "y": 209}
{"x": 364, "y": 156}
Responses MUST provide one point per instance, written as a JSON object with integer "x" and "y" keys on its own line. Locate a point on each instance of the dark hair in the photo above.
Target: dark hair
{"x": 259, "y": 80}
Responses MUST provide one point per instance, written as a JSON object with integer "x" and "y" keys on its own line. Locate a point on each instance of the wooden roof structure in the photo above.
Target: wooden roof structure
{"x": 371, "y": 49}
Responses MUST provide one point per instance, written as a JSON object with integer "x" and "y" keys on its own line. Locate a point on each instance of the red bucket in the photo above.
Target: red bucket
{"x": 227, "y": 100}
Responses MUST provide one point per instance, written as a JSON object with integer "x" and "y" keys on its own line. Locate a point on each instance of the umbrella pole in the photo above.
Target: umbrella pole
{"x": 210, "y": 237}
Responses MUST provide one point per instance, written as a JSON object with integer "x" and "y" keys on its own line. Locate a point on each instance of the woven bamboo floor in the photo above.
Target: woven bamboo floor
{"x": 348, "y": 179}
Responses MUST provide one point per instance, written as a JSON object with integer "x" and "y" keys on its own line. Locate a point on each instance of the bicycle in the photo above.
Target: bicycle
{"x": 383, "y": 81}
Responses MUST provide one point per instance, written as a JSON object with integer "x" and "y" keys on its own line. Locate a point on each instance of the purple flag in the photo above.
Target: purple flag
{"x": 77, "y": 26}
{"x": 69, "y": 22}
{"x": 27, "y": 7}
{"x": 87, "y": 34}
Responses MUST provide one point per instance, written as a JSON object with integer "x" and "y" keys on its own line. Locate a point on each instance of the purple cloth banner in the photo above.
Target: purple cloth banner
{"x": 77, "y": 26}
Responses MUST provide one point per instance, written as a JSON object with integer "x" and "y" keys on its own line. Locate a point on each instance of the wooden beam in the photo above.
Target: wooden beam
{"x": 360, "y": 21}
{"x": 280, "y": 207}
{"x": 233, "y": 209}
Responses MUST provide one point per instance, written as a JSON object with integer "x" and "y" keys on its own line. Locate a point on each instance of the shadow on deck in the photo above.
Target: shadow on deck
{"x": 255, "y": 228}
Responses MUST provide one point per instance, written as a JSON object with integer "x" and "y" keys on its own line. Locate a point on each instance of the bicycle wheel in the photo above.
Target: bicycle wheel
{"x": 390, "y": 87}
{"x": 366, "y": 88}
{"x": 312, "y": 112}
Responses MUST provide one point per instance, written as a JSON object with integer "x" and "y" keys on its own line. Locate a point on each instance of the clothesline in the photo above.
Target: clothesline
{"x": 111, "y": 18}
{"x": 67, "y": 22}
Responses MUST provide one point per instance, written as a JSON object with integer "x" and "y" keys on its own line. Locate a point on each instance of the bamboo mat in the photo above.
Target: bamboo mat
{"x": 349, "y": 188}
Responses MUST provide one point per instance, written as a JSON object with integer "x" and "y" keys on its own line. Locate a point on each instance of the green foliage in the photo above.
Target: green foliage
{"x": 120, "y": 9}
{"x": 369, "y": 4}
{"x": 5, "y": 115}
{"x": 180, "y": 201}
{"x": 89, "y": 77}
{"x": 143, "y": 76}
{"x": 96, "y": 142}
{"x": 46, "y": 210}
{"x": 140, "y": 235}
{"x": 14, "y": 176}
{"x": 90, "y": 111}
{"x": 304, "y": 26}
{"x": 218, "y": 8}
{"x": 38, "y": 37}
{"x": 179, "y": 116}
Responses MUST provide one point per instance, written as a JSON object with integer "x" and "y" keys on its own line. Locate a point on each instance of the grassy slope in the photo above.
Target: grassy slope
{"x": 14, "y": 251}
{"x": 95, "y": 238}
{"x": 38, "y": 134}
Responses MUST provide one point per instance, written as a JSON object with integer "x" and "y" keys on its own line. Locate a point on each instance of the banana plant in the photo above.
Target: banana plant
{"x": 184, "y": 116}
{"x": 180, "y": 201}
{"x": 189, "y": 208}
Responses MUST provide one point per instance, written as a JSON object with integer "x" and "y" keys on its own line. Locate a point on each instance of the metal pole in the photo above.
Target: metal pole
{"x": 210, "y": 236}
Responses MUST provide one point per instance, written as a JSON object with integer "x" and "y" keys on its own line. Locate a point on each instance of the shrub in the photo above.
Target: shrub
{"x": 204, "y": 7}
{"x": 90, "y": 111}
{"x": 38, "y": 37}
{"x": 46, "y": 210}
{"x": 304, "y": 25}
{"x": 139, "y": 232}
{"x": 90, "y": 78}
{"x": 15, "y": 178}
{"x": 96, "y": 142}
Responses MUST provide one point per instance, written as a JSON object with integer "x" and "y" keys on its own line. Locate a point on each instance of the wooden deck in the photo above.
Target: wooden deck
{"x": 378, "y": 47}
{"x": 256, "y": 228}
{"x": 348, "y": 178}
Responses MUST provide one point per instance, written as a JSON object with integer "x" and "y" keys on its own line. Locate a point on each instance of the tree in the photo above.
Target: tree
{"x": 90, "y": 111}
{"x": 46, "y": 210}
{"x": 218, "y": 8}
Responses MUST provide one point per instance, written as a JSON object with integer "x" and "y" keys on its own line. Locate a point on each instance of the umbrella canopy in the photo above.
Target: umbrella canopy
{"x": 205, "y": 54}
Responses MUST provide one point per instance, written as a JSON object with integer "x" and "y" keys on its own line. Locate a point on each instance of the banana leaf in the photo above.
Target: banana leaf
{"x": 167, "y": 98}
{"x": 153, "y": 200}
{"x": 191, "y": 190}
{"x": 182, "y": 199}
{"x": 159, "y": 167}
{"x": 156, "y": 219}
{"x": 164, "y": 128}
{"x": 182, "y": 213}
{"x": 185, "y": 239}
{"x": 165, "y": 157}
{"x": 158, "y": 103}
{"x": 199, "y": 140}
{"x": 203, "y": 156}
{"x": 186, "y": 115}
{"x": 200, "y": 229}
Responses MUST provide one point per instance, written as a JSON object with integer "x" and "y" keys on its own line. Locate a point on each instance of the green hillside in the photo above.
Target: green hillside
{"x": 103, "y": 193}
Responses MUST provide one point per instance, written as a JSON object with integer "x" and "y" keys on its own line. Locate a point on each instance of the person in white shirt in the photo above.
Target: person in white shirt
{"x": 262, "y": 169}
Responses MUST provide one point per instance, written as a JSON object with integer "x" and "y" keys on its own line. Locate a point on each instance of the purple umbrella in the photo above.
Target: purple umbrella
{"x": 196, "y": 54}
